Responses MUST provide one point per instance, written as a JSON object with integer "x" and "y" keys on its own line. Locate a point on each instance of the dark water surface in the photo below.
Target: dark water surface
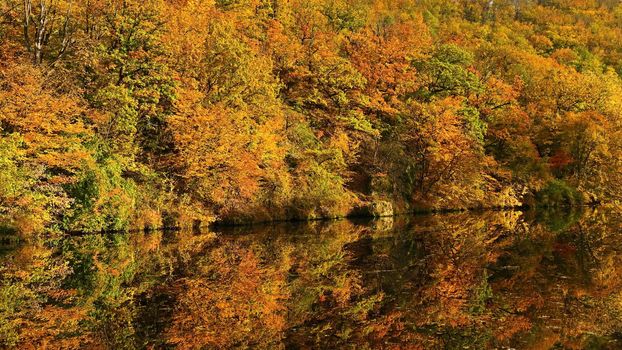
{"x": 493, "y": 280}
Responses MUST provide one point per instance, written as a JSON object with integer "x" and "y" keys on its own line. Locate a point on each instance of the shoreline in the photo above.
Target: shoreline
{"x": 217, "y": 224}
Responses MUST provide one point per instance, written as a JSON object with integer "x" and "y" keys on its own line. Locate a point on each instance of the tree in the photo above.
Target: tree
{"x": 43, "y": 146}
{"x": 126, "y": 79}
{"x": 48, "y": 28}
{"x": 228, "y": 126}
{"x": 445, "y": 142}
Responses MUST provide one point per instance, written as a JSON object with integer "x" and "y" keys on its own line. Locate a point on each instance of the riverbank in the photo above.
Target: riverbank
{"x": 354, "y": 216}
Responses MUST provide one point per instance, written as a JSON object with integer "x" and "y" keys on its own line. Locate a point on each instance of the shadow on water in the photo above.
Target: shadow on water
{"x": 489, "y": 280}
{"x": 9, "y": 240}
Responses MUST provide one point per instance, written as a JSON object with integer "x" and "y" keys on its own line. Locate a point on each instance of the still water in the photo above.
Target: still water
{"x": 492, "y": 280}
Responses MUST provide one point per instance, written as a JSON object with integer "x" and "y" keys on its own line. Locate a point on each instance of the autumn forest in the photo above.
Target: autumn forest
{"x": 163, "y": 113}
{"x": 470, "y": 152}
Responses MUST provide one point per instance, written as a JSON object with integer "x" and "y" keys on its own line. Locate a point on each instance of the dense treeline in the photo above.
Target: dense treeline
{"x": 118, "y": 114}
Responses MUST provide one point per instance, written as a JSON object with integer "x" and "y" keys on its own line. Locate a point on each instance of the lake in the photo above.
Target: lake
{"x": 487, "y": 280}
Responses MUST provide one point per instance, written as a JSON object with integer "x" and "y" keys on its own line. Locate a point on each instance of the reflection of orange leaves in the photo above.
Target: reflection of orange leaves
{"x": 239, "y": 300}
{"x": 380, "y": 327}
{"x": 546, "y": 341}
{"x": 564, "y": 249}
{"x": 349, "y": 287}
{"x": 511, "y": 326}
{"x": 560, "y": 159}
{"x": 534, "y": 300}
{"x": 39, "y": 322}
{"x": 452, "y": 307}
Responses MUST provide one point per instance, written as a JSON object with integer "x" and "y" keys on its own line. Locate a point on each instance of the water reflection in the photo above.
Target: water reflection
{"x": 456, "y": 281}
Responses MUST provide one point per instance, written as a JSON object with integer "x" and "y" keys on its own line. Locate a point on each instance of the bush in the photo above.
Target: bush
{"x": 558, "y": 193}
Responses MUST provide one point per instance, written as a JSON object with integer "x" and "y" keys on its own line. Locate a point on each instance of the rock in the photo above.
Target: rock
{"x": 374, "y": 209}
{"x": 381, "y": 209}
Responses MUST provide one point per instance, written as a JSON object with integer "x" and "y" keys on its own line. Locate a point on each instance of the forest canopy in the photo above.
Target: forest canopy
{"x": 118, "y": 114}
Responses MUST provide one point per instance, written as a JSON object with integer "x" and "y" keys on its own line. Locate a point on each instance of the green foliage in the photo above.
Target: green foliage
{"x": 345, "y": 16}
{"x": 474, "y": 125}
{"x": 447, "y": 73}
{"x": 482, "y": 294}
{"x": 120, "y": 120}
{"x": 14, "y": 180}
{"x": 13, "y": 297}
{"x": 25, "y": 205}
{"x": 103, "y": 198}
{"x": 320, "y": 187}
{"x": 558, "y": 193}
{"x": 128, "y": 81}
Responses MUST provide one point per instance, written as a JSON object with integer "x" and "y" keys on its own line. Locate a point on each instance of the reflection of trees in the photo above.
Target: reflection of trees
{"x": 556, "y": 286}
{"x": 450, "y": 281}
{"x": 329, "y": 300}
{"x": 82, "y": 292}
{"x": 32, "y": 303}
{"x": 231, "y": 299}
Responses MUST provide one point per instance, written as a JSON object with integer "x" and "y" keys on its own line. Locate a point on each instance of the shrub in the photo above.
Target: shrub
{"x": 558, "y": 193}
